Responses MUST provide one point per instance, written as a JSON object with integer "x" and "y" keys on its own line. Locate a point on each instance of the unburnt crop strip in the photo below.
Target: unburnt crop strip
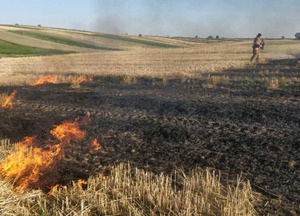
{"x": 137, "y": 41}
{"x": 62, "y": 40}
{"x": 11, "y": 49}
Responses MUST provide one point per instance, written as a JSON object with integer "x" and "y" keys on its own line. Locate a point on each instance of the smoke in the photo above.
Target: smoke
{"x": 232, "y": 18}
{"x": 146, "y": 16}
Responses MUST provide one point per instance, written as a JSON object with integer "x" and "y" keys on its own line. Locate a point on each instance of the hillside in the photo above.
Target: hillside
{"x": 29, "y": 40}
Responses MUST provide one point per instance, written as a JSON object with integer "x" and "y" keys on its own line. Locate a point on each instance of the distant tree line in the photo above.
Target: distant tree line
{"x": 210, "y": 37}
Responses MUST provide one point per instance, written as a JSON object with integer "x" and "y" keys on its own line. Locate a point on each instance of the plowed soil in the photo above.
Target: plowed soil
{"x": 240, "y": 127}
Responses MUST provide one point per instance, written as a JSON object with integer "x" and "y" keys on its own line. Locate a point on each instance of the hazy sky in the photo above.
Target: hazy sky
{"x": 226, "y": 18}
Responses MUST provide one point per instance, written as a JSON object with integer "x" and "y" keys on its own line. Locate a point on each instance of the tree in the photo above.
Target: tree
{"x": 140, "y": 35}
{"x": 210, "y": 37}
{"x": 282, "y": 37}
{"x": 217, "y": 37}
{"x": 196, "y": 36}
{"x": 39, "y": 25}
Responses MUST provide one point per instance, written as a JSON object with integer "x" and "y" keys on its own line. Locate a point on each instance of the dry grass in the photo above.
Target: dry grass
{"x": 130, "y": 191}
{"x": 271, "y": 83}
{"x": 143, "y": 62}
{"x": 3, "y": 98}
{"x": 170, "y": 63}
{"x": 280, "y": 82}
{"x": 214, "y": 81}
{"x": 283, "y": 49}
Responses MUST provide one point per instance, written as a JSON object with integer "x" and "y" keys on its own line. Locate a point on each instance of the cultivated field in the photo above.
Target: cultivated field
{"x": 178, "y": 110}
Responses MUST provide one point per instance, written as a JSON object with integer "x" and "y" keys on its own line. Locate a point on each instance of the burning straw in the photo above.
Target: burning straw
{"x": 8, "y": 103}
{"x": 27, "y": 165}
{"x": 46, "y": 80}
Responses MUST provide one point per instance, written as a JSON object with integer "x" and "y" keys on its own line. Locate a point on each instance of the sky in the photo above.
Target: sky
{"x": 225, "y": 18}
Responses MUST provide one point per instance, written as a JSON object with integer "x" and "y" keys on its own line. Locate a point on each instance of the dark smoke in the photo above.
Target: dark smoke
{"x": 232, "y": 18}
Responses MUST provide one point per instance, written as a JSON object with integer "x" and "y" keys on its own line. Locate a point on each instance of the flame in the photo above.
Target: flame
{"x": 95, "y": 146}
{"x": 67, "y": 132}
{"x": 25, "y": 165}
{"x": 45, "y": 80}
{"x": 80, "y": 79}
{"x": 53, "y": 189}
{"x": 102, "y": 173}
{"x": 8, "y": 103}
{"x": 28, "y": 163}
{"x": 81, "y": 182}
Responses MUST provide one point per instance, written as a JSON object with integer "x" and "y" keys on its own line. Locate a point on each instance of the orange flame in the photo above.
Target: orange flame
{"x": 25, "y": 165}
{"x": 46, "y": 80}
{"x": 8, "y": 103}
{"x": 53, "y": 189}
{"x": 80, "y": 79}
{"x": 95, "y": 146}
{"x": 102, "y": 173}
{"x": 81, "y": 182}
{"x": 28, "y": 163}
{"x": 67, "y": 132}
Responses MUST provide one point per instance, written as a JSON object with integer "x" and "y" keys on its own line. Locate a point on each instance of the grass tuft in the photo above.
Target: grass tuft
{"x": 214, "y": 81}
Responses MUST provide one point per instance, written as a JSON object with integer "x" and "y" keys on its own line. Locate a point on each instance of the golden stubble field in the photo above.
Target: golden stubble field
{"x": 150, "y": 62}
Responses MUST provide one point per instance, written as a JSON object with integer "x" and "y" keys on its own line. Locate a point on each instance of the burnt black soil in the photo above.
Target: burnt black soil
{"x": 241, "y": 127}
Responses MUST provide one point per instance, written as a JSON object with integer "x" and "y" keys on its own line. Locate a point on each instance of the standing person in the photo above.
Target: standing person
{"x": 257, "y": 45}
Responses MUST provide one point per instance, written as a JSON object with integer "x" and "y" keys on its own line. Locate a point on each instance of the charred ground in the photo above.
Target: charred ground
{"x": 239, "y": 126}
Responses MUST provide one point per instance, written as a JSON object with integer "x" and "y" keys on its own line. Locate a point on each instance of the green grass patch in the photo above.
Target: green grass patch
{"x": 14, "y": 50}
{"x": 137, "y": 41}
{"x": 61, "y": 40}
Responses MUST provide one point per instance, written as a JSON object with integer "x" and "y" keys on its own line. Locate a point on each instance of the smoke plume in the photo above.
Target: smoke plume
{"x": 232, "y": 18}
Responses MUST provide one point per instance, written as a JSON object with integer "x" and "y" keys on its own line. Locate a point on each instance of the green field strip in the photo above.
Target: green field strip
{"x": 137, "y": 41}
{"x": 61, "y": 40}
{"x": 13, "y": 50}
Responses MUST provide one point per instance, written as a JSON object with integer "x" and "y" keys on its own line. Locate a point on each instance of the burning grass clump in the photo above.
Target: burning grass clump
{"x": 37, "y": 164}
{"x": 74, "y": 80}
{"x": 128, "y": 191}
{"x": 46, "y": 80}
{"x": 6, "y": 101}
